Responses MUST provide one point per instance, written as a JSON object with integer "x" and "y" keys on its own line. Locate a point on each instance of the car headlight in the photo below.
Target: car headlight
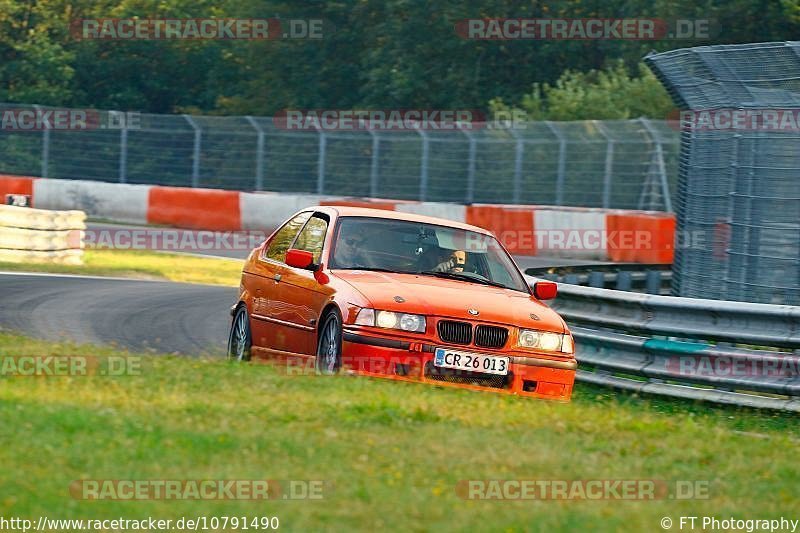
{"x": 545, "y": 340}
{"x": 391, "y": 320}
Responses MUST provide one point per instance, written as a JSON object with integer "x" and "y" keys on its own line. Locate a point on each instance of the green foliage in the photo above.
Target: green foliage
{"x": 605, "y": 94}
{"x": 374, "y": 54}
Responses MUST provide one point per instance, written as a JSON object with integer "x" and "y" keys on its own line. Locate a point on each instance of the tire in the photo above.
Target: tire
{"x": 329, "y": 345}
{"x": 240, "y": 338}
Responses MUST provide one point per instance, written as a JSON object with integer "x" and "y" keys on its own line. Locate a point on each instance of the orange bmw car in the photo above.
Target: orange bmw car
{"x": 400, "y": 296}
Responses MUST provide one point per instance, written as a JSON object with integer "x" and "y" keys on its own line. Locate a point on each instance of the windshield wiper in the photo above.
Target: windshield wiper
{"x": 462, "y": 277}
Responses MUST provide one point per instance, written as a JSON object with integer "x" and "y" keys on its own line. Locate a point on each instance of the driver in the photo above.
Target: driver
{"x": 455, "y": 263}
{"x": 350, "y": 252}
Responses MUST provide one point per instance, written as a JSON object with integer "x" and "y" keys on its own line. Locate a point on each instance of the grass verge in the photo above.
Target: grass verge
{"x": 142, "y": 264}
{"x": 393, "y": 452}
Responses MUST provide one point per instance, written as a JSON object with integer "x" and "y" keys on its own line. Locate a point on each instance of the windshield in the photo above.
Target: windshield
{"x": 363, "y": 243}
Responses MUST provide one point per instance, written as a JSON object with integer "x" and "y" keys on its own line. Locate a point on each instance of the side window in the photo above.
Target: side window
{"x": 312, "y": 237}
{"x": 284, "y": 237}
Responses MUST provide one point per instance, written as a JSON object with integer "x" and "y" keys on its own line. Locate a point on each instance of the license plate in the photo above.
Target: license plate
{"x": 472, "y": 362}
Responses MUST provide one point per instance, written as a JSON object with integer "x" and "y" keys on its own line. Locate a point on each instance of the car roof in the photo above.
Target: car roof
{"x": 351, "y": 211}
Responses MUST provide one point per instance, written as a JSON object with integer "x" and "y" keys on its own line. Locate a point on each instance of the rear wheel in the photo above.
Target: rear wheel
{"x": 240, "y": 339}
{"x": 329, "y": 346}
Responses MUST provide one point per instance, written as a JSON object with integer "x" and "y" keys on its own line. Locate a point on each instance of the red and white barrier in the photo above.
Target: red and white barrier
{"x": 111, "y": 201}
{"x": 268, "y": 210}
{"x": 582, "y": 233}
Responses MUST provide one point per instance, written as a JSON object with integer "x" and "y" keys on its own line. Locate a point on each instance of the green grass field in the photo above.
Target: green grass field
{"x": 144, "y": 264}
{"x": 390, "y": 453}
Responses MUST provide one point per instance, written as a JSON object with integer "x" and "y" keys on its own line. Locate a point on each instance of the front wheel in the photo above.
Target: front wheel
{"x": 240, "y": 339}
{"x": 329, "y": 347}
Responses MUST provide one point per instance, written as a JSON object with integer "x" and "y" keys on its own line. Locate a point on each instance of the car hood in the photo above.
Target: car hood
{"x": 434, "y": 296}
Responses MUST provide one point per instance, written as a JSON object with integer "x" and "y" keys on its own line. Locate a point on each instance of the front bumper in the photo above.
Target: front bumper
{"x": 413, "y": 361}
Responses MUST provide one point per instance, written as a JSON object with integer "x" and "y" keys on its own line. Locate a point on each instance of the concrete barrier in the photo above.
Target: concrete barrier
{"x": 112, "y": 201}
{"x": 570, "y": 232}
{"x": 30, "y": 235}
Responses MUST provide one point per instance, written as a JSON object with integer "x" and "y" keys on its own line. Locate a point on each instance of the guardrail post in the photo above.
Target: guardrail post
{"x": 259, "y": 184}
{"x": 653, "y": 282}
{"x": 321, "y": 160}
{"x": 562, "y": 162}
{"x": 470, "y": 195}
{"x": 196, "y": 156}
{"x": 572, "y": 279}
{"x": 609, "y": 164}
{"x": 624, "y": 281}
{"x": 662, "y": 168}
{"x": 597, "y": 279}
{"x": 423, "y": 171}
{"x": 732, "y": 288}
{"x": 374, "y": 167}
{"x": 45, "y": 145}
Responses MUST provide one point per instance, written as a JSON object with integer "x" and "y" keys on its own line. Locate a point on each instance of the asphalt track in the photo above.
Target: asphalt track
{"x": 159, "y": 316}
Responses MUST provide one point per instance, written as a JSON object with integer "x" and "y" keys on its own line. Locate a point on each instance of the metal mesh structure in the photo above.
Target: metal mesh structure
{"x": 738, "y": 198}
{"x": 626, "y": 164}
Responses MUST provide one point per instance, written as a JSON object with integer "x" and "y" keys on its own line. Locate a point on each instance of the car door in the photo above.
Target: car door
{"x": 301, "y": 297}
{"x": 264, "y": 281}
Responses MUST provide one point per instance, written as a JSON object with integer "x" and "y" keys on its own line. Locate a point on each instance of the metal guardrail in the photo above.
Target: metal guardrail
{"x": 725, "y": 352}
{"x": 637, "y": 277}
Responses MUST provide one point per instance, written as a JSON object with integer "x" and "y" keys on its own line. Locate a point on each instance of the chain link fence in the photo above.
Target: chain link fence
{"x": 739, "y": 183}
{"x": 626, "y": 164}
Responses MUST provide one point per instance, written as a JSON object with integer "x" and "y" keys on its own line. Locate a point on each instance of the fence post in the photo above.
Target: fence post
{"x": 197, "y": 141}
{"x": 423, "y": 175}
{"x": 259, "y": 185}
{"x": 732, "y": 289}
{"x": 45, "y": 145}
{"x": 609, "y": 163}
{"x": 562, "y": 162}
{"x": 470, "y": 197}
{"x": 323, "y": 146}
{"x": 123, "y": 150}
{"x": 374, "y": 163}
{"x": 662, "y": 168}
{"x": 519, "y": 154}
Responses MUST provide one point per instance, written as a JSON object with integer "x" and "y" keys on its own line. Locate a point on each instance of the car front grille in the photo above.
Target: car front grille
{"x": 455, "y": 332}
{"x": 451, "y": 375}
{"x": 490, "y": 336}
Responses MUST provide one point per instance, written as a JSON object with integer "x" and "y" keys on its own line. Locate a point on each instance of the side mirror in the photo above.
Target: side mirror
{"x": 299, "y": 258}
{"x": 545, "y": 290}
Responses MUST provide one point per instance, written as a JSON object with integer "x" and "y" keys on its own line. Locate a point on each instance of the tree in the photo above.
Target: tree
{"x": 598, "y": 94}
